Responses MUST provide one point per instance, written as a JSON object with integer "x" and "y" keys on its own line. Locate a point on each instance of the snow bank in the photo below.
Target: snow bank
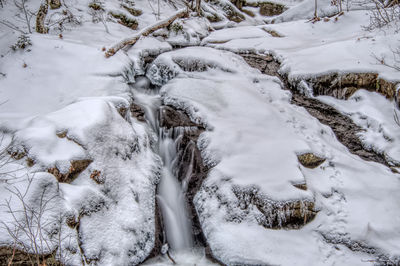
{"x": 115, "y": 194}
{"x": 253, "y": 137}
{"x": 312, "y": 49}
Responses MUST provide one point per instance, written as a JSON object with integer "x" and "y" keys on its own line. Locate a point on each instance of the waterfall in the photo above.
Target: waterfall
{"x": 171, "y": 197}
{"x": 170, "y": 191}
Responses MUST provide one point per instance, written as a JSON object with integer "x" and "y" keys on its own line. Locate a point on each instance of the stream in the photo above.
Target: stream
{"x": 178, "y": 246}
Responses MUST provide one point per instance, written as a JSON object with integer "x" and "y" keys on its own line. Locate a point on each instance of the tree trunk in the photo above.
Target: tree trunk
{"x": 315, "y": 10}
{"x": 40, "y": 17}
{"x": 145, "y": 32}
{"x": 198, "y": 7}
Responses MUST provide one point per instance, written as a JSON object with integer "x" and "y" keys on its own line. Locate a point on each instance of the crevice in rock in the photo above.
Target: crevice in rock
{"x": 344, "y": 128}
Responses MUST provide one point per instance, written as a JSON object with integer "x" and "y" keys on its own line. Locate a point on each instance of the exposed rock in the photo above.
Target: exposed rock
{"x": 359, "y": 246}
{"x": 137, "y": 112}
{"x": 30, "y": 162}
{"x": 133, "y": 11}
{"x": 302, "y": 186}
{"x": 11, "y": 256}
{"x": 17, "y": 152}
{"x": 62, "y": 134}
{"x": 170, "y": 117}
{"x": 274, "y": 214}
{"x": 71, "y": 221}
{"x": 310, "y": 160}
{"x": 296, "y": 213}
{"x": 213, "y": 18}
{"x": 122, "y": 111}
{"x": 344, "y": 128}
{"x": 95, "y": 6}
{"x": 74, "y": 170}
{"x": 265, "y": 63}
{"x": 271, "y": 9}
{"x": 97, "y": 177}
{"x": 238, "y": 3}
{"x": 248, "y": 12}
{"x": 124, "y": 20}
{"x": 342, "y": 86}
{"x": 191, "y": 167}
{"x": 273, "y": 33}
{"x": 231, "y": 11}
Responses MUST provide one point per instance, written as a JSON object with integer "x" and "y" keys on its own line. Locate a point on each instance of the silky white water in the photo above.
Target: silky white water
{"x": 170, "y": 195}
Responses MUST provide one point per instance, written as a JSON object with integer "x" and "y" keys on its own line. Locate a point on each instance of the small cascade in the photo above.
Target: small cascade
{"x": 171, "y": 197}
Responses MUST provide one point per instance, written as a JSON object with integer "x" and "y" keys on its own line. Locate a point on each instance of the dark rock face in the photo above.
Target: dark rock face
{"x": 342, "y": 86}
{"x": 265, "y": 63}
{"x": 137, "y": 112}
{"x": 170, "y": 118}
{"x": 343, "y": 127}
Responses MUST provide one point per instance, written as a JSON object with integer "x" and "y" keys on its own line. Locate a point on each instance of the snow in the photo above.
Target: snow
{"x": 252, "y": 139}
{"x": 69, "y": 88}
{"x": 255, "y": 148}
{"x": 311, "y": 49}
{"x": 376, "y": 115}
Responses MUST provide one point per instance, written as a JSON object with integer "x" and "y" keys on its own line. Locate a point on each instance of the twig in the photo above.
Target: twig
{"x": 11, "y": 26}
{"x": 169, "y": 256}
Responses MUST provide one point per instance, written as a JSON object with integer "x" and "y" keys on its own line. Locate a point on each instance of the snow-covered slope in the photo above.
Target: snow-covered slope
{"x": 253, "y": 137}
{"x": 79, "y": 141}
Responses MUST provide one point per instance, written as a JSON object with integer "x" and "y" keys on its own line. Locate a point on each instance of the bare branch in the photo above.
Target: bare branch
{"x": 145, "y": 32}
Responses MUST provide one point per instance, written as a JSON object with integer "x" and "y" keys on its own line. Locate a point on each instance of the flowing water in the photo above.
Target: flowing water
{"x": 171, "y": 193}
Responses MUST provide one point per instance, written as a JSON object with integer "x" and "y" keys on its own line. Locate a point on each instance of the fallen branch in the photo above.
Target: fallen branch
{"x": 145, "y": 32}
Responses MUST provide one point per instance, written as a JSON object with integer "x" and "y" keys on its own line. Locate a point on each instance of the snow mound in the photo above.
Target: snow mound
{"x": 254, "y": 136}
{"x": 194, "y": 59}
{"x": 114, "y": 194}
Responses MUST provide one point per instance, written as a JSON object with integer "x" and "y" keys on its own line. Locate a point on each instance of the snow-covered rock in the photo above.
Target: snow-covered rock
{"x": 251, "y": 145}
